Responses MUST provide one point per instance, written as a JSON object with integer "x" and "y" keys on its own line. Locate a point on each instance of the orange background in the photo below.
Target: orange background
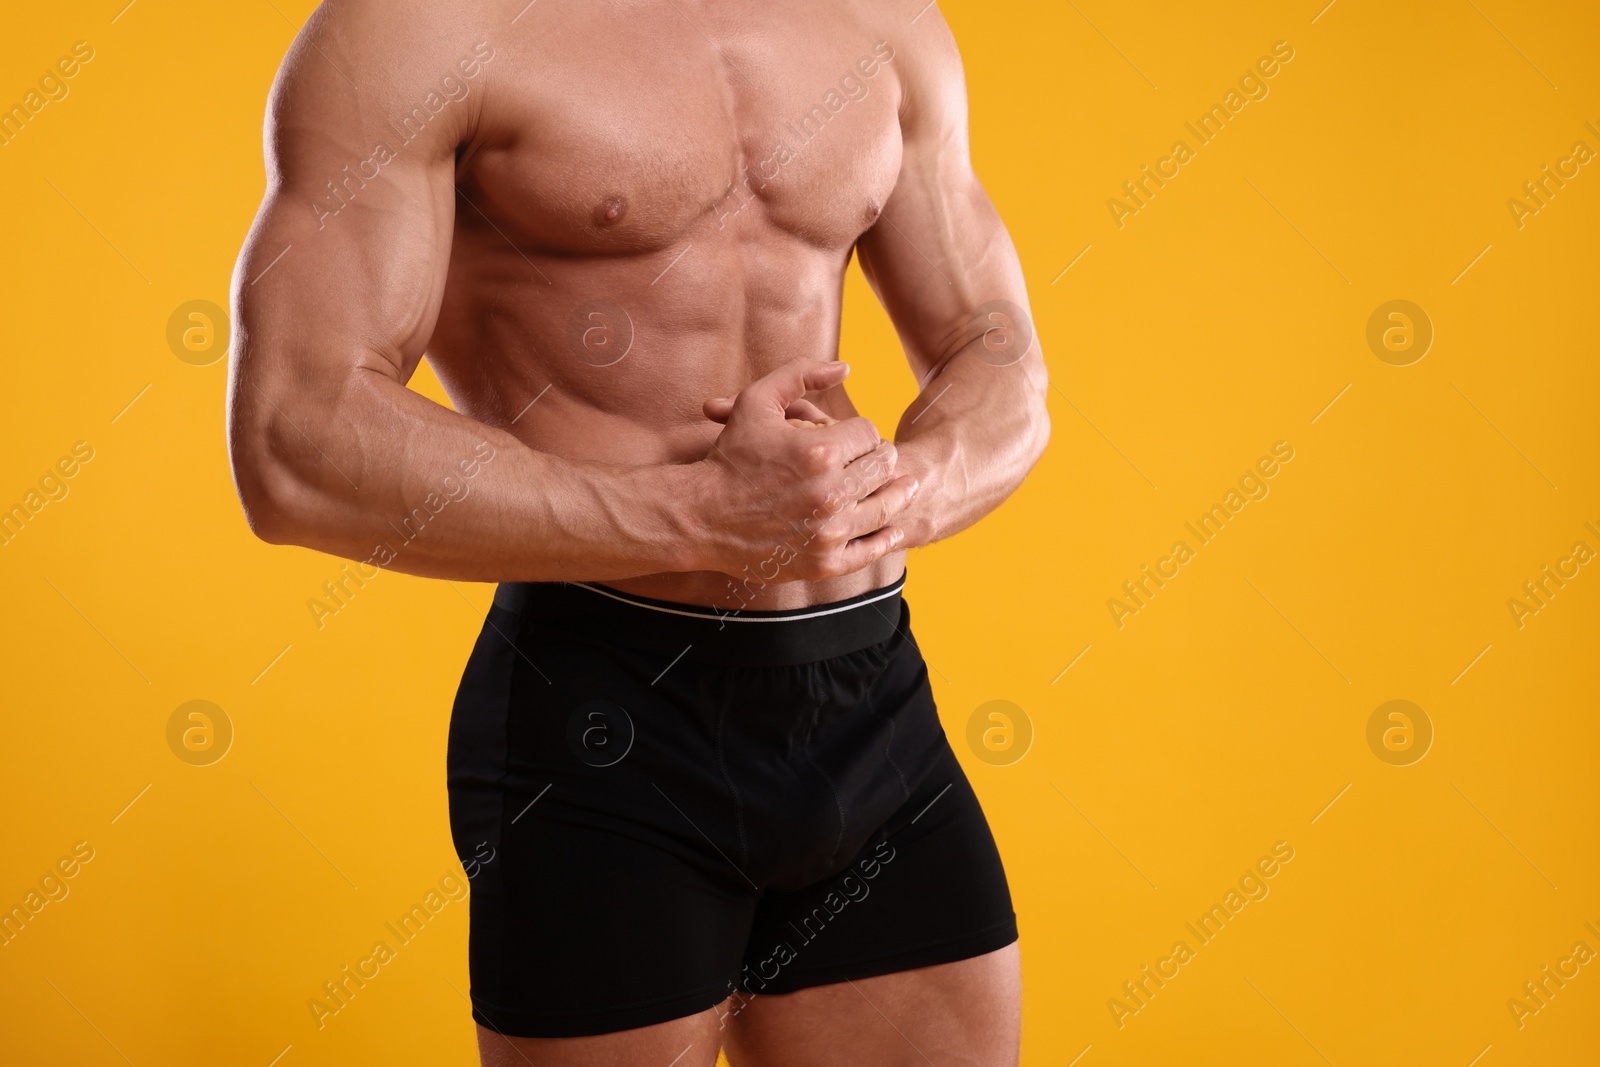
{"x": 1231, "y": 712}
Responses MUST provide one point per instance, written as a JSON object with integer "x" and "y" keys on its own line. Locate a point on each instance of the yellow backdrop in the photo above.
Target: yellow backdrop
{"x": 1345, "y": 322}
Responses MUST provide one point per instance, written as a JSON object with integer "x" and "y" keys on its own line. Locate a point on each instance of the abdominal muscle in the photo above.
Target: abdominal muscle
{"x": 591, "y": 360}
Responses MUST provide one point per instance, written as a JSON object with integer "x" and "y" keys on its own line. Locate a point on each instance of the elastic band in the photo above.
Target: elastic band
{"x": 699, "y": 633}
{"x": 790, "y": 615}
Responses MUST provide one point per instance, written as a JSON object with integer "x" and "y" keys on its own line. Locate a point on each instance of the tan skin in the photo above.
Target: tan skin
{"x": 625, "y": 259}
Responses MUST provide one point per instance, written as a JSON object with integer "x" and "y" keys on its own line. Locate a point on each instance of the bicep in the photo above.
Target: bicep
{"x": 344, "y": 266}
{"x": 361, "y": 291}
{"x": 939, "y": 257}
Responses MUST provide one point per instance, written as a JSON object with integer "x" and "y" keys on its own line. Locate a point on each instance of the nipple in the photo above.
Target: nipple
{"x": 610, "y": 210}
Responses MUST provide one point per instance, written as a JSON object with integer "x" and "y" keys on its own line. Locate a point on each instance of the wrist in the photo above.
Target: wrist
{"x": 928, "y": 460}
{"x": 682, "y": 503}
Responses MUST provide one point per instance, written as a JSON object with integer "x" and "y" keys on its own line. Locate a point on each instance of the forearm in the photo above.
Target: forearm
{"x": 970, "y": 438}
{"x": 383, "y": 475}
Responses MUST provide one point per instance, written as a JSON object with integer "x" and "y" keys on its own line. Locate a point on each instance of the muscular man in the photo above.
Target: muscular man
{"x": 695, "y": 769}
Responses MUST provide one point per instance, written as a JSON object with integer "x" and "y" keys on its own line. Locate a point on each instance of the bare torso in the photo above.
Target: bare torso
{"x": 641, "y": 226}
{"x": 620, "y": 230}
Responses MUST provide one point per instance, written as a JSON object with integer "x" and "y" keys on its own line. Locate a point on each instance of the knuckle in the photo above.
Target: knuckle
{"x": 819, "y": 456}
{"x": 823, "y": 533}
{"x": 818, "y": 496}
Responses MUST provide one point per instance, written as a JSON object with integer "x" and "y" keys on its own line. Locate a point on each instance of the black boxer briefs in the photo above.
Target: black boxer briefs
{"x": 664, "y": 807}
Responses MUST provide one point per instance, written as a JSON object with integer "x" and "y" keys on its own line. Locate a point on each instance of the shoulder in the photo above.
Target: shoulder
{"x": 917, "y": 43}
{"x": 359, "y": 65}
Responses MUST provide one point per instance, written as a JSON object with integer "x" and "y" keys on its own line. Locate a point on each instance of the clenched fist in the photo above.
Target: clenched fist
{"x": 782, "y": 473}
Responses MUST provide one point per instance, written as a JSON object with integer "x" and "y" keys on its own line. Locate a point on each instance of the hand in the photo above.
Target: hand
{"x": 802, "y": 412}
{"x": 786, "y": 481}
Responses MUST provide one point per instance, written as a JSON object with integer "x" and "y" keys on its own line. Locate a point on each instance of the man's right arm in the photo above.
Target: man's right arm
{"x": 331, "y": 450}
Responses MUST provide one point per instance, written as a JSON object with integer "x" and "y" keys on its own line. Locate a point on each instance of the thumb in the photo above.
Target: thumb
{"x": 776, "y": 391}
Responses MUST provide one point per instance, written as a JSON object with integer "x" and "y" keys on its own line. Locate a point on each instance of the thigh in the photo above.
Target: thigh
{"x": 692, "y": 1041}
{"x": 928, "y": 889}
{"x": 967, "y": 1012}
{"x": 597, "y": 905}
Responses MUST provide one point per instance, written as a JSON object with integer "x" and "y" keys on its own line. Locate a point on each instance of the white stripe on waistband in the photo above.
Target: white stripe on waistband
{"x": 734, "y": 616}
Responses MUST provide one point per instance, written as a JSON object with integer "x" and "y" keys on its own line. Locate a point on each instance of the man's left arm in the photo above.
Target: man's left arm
{"x": 944, "y": 267}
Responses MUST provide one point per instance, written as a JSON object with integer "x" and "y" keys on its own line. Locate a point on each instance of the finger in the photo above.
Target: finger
{"x": 865, "y": 476}
{"x": 772, "y": 394}
{"x": 853, "y": 438}
{"x": 805, "y": 409}
{"x": 865, "y": 551}
{"x": 875, "y": 512}
{"x": 801, "y": 412}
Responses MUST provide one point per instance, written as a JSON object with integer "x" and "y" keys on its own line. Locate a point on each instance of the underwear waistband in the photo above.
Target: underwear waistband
{"x": 707, "y": 634}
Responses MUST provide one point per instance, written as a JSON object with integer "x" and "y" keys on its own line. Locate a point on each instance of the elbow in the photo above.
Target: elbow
{"x": 268, "y": 524}
{"x": 1041, "y": 434}
{"x": 267, "y": 496}
{"x": 273, "y": 496}
{"x": 1038, "y": 410}
{"x": 277, "y": 467}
